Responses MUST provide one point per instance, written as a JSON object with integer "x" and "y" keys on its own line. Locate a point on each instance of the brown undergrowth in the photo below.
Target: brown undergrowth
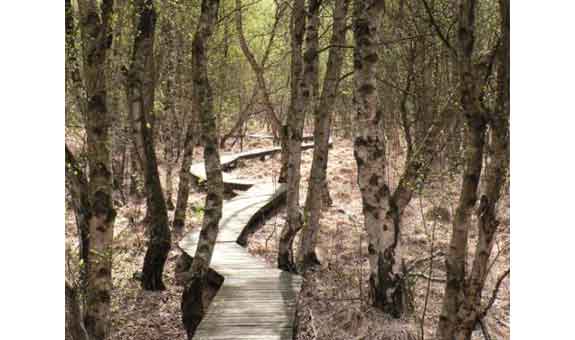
{"x": 333, "y": 303}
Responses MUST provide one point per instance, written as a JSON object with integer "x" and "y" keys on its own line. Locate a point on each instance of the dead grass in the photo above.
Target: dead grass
{"x": 333, "y": 303}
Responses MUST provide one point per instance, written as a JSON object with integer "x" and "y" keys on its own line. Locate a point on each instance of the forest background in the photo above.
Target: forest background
{"x": 541, "y": 163}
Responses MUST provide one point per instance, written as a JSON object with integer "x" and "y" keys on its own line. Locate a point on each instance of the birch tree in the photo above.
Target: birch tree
{"x": 96, "y": 40}
{"x": 293, "y": 137}
{"x": 462, "y": 303}
{"x": 193, "y": 297}
{"x": 369, "y": 151}
{"x": 318, "y": 192}
{"x": 141, "y": 88}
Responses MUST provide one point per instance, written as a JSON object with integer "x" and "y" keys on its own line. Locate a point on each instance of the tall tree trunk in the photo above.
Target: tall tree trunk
{"x": 294, "y": 138}
{"x": 141, "y": 90}
{"x": 186, "y": 147}
{"x": 171, "y": 128}
{"x": 193, "y": 297}
{"x": 369, "y": 151}
{"x": 462, "y": 307}
{"x": 96, "y": 39}
{"x": 318, "y": 192}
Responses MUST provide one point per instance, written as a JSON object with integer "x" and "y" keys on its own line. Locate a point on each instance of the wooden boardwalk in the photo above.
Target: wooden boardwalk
{"x": 227, "y": 161}
{"x": 256, "y": 300}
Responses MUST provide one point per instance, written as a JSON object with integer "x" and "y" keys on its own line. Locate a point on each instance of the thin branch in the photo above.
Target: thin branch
{"x": 437, "y": 29}
{"x": 405, "y": 91}
{"x": 279, "y": 14}
{"x": 386, "y": 43}
{"x": 233, "y": 11}
{"x": 493, "y": 294}
{"x": 344, "y": 76}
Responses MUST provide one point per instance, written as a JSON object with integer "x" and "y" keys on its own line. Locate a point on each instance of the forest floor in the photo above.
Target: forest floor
{"x": 333, "y": 303}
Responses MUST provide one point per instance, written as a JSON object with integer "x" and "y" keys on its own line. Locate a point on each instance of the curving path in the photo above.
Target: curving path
{"x": 256, "y": 301}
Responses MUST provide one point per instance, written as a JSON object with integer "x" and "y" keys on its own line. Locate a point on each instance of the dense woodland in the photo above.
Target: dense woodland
{"x": 391, "y": 124}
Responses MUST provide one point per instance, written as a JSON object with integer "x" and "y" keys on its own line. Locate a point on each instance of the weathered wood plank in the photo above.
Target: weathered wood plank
{"x": 199, "y": 172}
{"x": 256, "y": 301}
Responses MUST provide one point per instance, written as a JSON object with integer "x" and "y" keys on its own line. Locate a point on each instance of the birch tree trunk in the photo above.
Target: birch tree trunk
{"x": 141, "y": 88}
{"x": 369, "y": 151}
{"x": 318, "y": 192}
{"x": 185, "y": 175}
{"x": 456, "y": 259}
{"x": 171, "y": 133}
{"x": 293, "y": 137}
{"x": 96, "y": 40}
{"x": 462, "y": 307}
{"x": 193, "y": 298}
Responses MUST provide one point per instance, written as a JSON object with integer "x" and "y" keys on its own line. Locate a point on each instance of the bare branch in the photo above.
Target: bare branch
{"x": 493, "y": 294}
{"x": 437, "y": 29}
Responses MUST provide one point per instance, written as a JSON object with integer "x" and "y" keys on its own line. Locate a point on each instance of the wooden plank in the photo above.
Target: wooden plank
{"x": 198, "y": 169}
{"x": 245, "y": 332}
{"x": 264, "y": 136}
{"x": 256, "y": 301}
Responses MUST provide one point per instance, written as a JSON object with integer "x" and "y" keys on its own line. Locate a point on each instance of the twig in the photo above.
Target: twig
{"x": 436, "y": 27}
{"x": 312, "y": 324}
{"x": 494, "y": 294}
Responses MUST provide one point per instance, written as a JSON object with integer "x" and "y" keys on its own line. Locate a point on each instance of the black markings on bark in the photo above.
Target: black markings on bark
{"x": 96, "y": 103}
{"x": 102, "y": 205}
{"x": 366, "y": 89}
{"x": 104, "y": 296}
